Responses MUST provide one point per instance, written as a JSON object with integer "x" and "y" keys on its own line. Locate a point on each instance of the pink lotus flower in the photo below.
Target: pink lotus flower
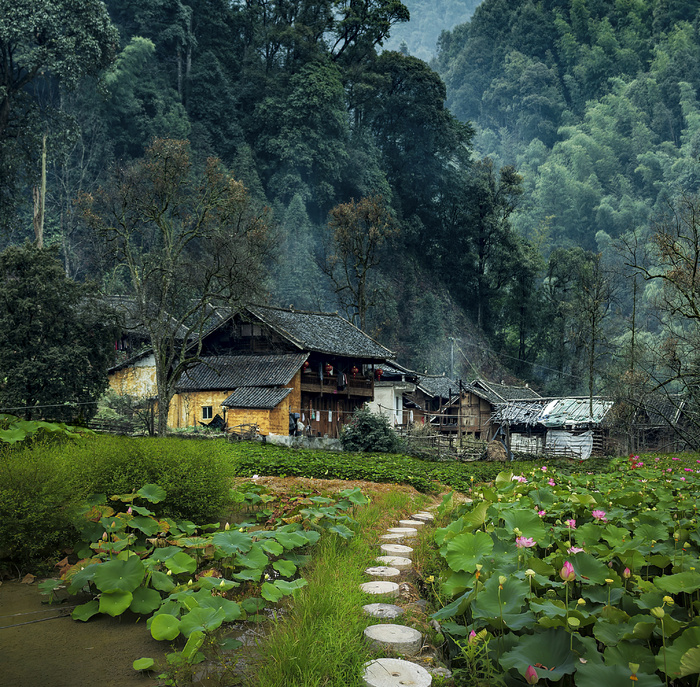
{"x": 626, "y": 573}
{"x": 575, "y": 549}
{"x": 567, "y": 573}
{"x": 551, "y": 482}
{"x": 531, "y": 676}
{"x": 675, "y": 458}
{"x": 519, "y": 478}
{"x": 128, "y": 510}
{"x": 524, "y": 542}
{"x": 570, "y": 523}
{"x": 544, "y": 467}
{"x": 541, "y": 513}
{"x": 472, "y": 637}
{"x": 599, "y": 515}
{"x": 687, "y": 469}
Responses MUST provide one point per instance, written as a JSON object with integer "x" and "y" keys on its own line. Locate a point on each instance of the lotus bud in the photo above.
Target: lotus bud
{"x": 104, "y": 537}
{"x": 222, "y": 584}
{"x": 531, "y": 676}
{"x": 658, "y": 612}
{"x": 189, "y": 582}
{"x": 516, "y": 530}
{"x": 240, "y": 529}
{"x": 626, "y": 573}
{"x": 581, "y": 602}
{"x": 227, "y": 527}
{"x": 128, "y": 510}
{"x": 170, "y": 572}
{"x": 472, "y": 637}
{"x": 567, "y": 573}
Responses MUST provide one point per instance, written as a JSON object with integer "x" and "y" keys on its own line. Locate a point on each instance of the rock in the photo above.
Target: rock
{"x": 394, "y": 672}
{"x": 416, "y": 524}
{"x": 394, "y": 536}
{"x": 384, "y": 611}
{"x": 396, "y": 550}
{"x": 426, "y": 517}
{"x": 398, "y": 562}
{"x": 380, "y": 587}
{"x": 397, "y": 638}
{"x": 383, "y": 571}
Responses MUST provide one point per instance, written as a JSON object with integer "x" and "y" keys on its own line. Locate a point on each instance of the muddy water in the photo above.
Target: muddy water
{"x": 61, "y": 652}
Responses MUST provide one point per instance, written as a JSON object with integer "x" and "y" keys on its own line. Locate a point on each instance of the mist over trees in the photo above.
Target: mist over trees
{"x": 514, "y": 168}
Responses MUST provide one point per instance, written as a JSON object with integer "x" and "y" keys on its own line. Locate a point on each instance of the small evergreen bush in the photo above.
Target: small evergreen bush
{"x": 368, "y": 432}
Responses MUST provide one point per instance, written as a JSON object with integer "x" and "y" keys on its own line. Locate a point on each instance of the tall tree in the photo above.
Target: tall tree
{"x": 358, "y": 231}
{"x": 187, "y": 240}
{"x": 43, "y": 43}
{"x": 56, "y": 342}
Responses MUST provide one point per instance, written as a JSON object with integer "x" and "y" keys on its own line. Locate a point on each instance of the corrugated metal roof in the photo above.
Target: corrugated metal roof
{"x": 558, "y": 412}
{"x": 256, "y": 397}
{"x": 321, "y": 332}
{"x": 232, "y": 372}
{"x": 497, "y": 393}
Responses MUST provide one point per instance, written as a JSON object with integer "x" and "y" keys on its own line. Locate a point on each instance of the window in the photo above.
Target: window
{"x": 207, "y": 412}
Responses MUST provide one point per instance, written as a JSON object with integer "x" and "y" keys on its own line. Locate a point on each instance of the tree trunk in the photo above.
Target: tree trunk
{"x": 39, "y": 200}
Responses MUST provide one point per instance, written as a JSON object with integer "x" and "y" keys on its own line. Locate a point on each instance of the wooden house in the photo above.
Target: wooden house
{"x": 553, "y": 426}
{"x": 262, "y": 365}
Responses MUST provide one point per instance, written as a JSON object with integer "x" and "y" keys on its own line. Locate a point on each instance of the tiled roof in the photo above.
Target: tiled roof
{"x": 256, "y": 397}
{"x": 439, "y": 386}
{"x": 232, "y": 372}
{"x": 321, "y": 332}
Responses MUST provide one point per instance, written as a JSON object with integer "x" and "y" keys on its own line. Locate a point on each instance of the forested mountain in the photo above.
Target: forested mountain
{"x": 493, "y": 199}
{"x": 429, "y": 18}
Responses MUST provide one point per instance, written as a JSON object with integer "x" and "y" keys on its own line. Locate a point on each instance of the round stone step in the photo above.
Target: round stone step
{"x": 383, "y": 571}
{"x": 396, "y": 550}
{"x": 393, "y": 537}
{"x": 416, "y": 524}
{"x": 399, "y": 639}
{"x": 393, "y": 672}
{"x": 425, "y": 517}
{"x": 406, "y": 531}
{"x": 398, "y": 562}
{"x": 380, "y": 587}
{"x": 384, "y": 611}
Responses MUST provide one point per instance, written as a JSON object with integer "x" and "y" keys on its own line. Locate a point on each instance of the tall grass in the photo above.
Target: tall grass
{"x": 320, "y": 641}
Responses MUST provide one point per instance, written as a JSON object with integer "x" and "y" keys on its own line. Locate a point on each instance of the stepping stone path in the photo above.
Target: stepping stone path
{"x": 401, "y": 639}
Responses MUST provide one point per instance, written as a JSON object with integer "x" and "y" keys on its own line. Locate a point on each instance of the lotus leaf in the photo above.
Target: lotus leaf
{"x": 527, "y": 521}
{"x": 253, "y": 604}
{"x": 204, "y": 619}
{"x": 549, "y": 649}
{"x": 141, "y": 510}
{"x": 595, "y": 675}
{"x": 232, "y": 611}
{"x": 232, "y": 541}
{"x": 689, "y": 640}
{"x": 152, "y": 493}
{"x": 342, "y": 531}
{"x": 191, "y": 648}
{"x": 690, "y": 662}
{"x": 680, "y": 582}
{"x": 272, "y": 547}
{"x": 271, "y": 593}
{"x": 458, "y": 583}
{"x": 631, "y": 652}
{"x": 457, "y": 607}
{"x": 85, "y": 611}
{"x": 147, "y": 525}
{"x": 145, "y": 601}
{"x": 161, "y": 581}
{"x": 120, "y": 575}
{"x": 143, "y": 664}
{"x": 256, "y": 558}
{"x": 466, "y": 550}
{"x": 181, "y": 563}
{"x": 165, "y": 627}
{"x": 160, "y": 555}
{"x": 248, "y": 574}
{"x": 284, "y": 568}
{"x": 589, "y": 569}
{"x": 291, "y": 540}
{"x": 115, "y": 602}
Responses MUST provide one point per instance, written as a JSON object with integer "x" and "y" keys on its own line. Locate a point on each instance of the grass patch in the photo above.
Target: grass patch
{"x": 320, "y": 641}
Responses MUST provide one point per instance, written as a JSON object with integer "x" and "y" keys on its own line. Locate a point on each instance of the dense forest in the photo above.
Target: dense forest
{"x": 521, "y": 176}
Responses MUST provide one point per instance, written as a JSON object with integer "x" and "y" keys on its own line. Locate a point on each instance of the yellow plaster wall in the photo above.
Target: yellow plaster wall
{"x": 186, "y": 409}
{"x": 137, "y": 380}
{"x": 294, "y": 399}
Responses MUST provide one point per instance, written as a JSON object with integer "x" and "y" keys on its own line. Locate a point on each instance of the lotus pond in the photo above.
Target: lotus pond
{"x": 581, "y": 580}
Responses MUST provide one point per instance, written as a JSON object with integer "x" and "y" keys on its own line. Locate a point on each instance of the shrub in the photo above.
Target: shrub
{"x": 191, "y": 473}
{"x": 369, "y": 432}
{"x": 37, "y": 506}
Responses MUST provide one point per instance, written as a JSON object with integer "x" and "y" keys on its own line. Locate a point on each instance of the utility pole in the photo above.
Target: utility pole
{"x": 452, "y": 356}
